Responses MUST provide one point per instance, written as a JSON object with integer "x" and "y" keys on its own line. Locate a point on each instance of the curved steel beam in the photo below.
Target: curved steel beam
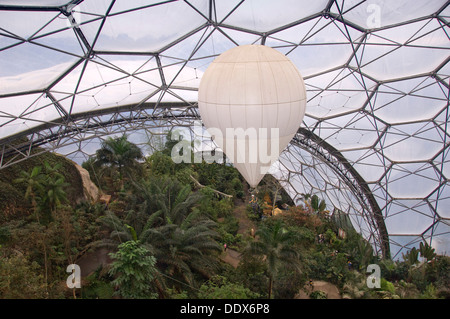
{"x": 327, "y": 153}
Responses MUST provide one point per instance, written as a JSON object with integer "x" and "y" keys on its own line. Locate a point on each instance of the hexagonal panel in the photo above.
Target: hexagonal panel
{"x": 412, "y": 180}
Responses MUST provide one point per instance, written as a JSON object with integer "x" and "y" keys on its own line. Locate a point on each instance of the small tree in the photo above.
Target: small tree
{"x": 411, "y": 257}
{"x": 276, "y": 246}
{"x": 218, "y": 287}
{"x": 34, "y": 186}
{"x": 118, "y": 153}
{"x": 426, "y": 251}
{"x": 46, "y": 191}
{"x": 53, "y": 196}
{"x": 317, "y": 205}
{"x": 135, "y": 270}
{"x": 21, "y": 278}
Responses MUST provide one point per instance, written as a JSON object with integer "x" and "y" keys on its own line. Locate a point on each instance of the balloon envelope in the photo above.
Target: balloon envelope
{"x": 252, "y": 101}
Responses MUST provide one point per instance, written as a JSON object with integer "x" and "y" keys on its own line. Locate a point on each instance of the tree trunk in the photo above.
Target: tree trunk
{"x": 215, "y": 191}
{"x": 274, "y": 200}
{"x": 45, "y": 264}
{"x": 270, "y": 286}
{"x": 120, "y": 178}
{"x": 34, "y": 204}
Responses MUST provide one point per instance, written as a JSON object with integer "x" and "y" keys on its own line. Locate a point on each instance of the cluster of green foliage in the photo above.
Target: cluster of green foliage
{"x": 37, "y": 245}
{"x": 13, "y": 203}
{"x": 135, "y": 267}
{"x": 219, "y": 287}
{"x": 314, "y": 250}
{"x": 160, "y": 206}
{"x": 165, "y": 230}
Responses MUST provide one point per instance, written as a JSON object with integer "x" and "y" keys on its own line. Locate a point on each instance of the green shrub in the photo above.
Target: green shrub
{"x": 98, "y": 289}
{"x": 134, "y": 269}
{"x": 21, "y": 278}
{"x": 429, "y": 293}
{"x": 387, "y": 286}
{"x": 218, "y": 287}
{"x": 318, "y": 295}
{"x": 5, "y": 234}
{"x": 231, "y": 225}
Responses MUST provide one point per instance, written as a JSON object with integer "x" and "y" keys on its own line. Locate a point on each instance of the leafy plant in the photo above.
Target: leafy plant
{"x": 429, "y": 293}
{"x": 412, "y": 256}
{"x": 276, "y": 244}
{"x": 98, "y": 286}
{"x": 387, "y": 286}
{"x": 218, "y": 287}
{"x": 135, "y": 270}
{"x": 118, "y": 153}
{"x": 21, "y": 278}
{"x": 34, "y": 186}
{"x": 317, "y": 205}
{"x": 181, "y": 238}
{"x": 318, "y": 294}
{"x": 426, "y": 251}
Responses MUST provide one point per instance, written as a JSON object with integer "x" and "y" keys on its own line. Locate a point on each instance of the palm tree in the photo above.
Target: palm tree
{"x": 276, "y": 246}
{"x": 53, "y": 171}
{"x": 118, "y": 153}
{"x": 45, "y": 191}
{"x": 313, "y": 203}
{"x": 54, "y": 194}
{"x": 180, "y": 249}
{"x": 182, "y": 239}
{"x": 317, "y": 205}
{"x": 426, "y": 251}
{"x": 154, "y": 202}
{"x": 167, "y": 197}
{"x": 362, "y": 250}
{"x": 34, "y": 186}
{"x": 121, "y": 231}
{"x": 185, "y": 249}
{"x": 176, "y": 205}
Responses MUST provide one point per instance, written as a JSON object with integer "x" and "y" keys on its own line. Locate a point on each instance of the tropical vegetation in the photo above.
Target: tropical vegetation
{"x": 186, "y": 231}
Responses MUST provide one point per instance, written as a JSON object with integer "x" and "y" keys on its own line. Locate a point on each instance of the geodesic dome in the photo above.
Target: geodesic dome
{"x": 374, "y": 142}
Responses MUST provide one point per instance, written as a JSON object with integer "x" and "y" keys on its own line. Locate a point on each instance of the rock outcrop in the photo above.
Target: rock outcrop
{"x": 90, "y": 190}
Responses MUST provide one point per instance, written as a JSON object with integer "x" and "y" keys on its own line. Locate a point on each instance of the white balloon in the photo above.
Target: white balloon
{"x": 252, "y": 100}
